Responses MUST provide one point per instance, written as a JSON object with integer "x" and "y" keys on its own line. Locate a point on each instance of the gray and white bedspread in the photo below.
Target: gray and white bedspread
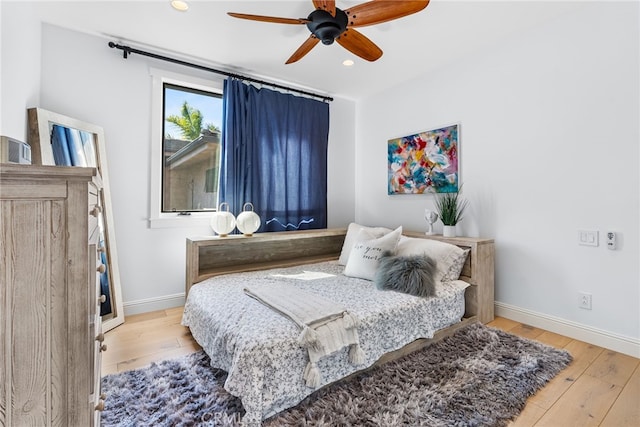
{"x": 259, "y": 348}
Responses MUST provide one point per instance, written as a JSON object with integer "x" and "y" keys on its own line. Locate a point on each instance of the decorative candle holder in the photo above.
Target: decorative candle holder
{"x": 248, "y": 221}
{"x": 223, "y": 222}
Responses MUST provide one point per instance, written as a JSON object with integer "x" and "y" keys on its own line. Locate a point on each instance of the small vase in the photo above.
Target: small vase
{"x": 449, "y": 231}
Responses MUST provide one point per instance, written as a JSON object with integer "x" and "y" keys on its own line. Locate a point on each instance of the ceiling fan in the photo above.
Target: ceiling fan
{"x": 328, "y": 23}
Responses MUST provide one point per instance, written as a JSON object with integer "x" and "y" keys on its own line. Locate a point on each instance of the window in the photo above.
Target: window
{"x": 185, "y": 149}
{"x": 211, "y": 183}
{"x": 191, "y": 149}
{"x": 186, "y": 120}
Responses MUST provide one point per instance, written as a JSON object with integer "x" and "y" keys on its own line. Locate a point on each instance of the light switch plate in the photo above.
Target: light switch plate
{"x": 588, "y": 237}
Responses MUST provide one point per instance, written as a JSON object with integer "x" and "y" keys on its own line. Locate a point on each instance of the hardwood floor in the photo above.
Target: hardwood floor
{"x": 600, "y": 388}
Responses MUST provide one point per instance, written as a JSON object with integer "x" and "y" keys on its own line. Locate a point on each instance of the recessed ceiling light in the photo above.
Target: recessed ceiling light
{"x": 180, "y": 5}
{"x": 347, "y": 62}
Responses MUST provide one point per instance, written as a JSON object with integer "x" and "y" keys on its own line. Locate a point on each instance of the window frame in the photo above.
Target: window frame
{"x": 157, "y": 218}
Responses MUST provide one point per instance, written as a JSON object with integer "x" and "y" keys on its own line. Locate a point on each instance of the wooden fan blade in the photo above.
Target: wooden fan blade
{"x": 268, "y": 18}
{"x": 377, "y": 11}
{"x": 358, "y": 44}
{"x": 327, "y": 5}
{"x": 303, "y": 49}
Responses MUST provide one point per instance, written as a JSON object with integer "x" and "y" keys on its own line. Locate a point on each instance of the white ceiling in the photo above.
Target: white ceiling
{"x": 443, "y": 32}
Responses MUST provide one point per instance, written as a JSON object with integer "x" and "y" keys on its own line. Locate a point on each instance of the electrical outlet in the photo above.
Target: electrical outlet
{"x": 584, "y": 301}
{"x": 611, "y": 240}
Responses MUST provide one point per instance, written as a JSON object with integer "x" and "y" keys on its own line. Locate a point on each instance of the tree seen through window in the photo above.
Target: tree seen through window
{"x": 191, "y": 147}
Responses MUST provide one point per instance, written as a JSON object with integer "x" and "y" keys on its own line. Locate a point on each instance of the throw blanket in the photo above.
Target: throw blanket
{"x": 326, "y": 326}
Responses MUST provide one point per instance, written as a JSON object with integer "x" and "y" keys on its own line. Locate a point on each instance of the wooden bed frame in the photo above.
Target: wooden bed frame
{"x": 213, "y": 256}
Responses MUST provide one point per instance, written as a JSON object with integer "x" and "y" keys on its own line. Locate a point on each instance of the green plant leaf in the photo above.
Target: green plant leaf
{"x": 450, "y": 207}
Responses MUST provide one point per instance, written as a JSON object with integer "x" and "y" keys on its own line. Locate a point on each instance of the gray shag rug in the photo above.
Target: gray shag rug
{"x": 479, "y": 376}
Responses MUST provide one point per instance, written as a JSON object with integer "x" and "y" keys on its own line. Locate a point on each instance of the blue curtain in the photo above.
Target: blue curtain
{"x": 105, "y": 307}
{"x": 274, "y": 155}
{"x": 72, "y": 147}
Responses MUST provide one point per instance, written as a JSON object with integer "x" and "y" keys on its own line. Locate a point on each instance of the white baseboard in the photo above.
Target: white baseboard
{"x": 599, "y": 337}
{"x": 153, "y": 304}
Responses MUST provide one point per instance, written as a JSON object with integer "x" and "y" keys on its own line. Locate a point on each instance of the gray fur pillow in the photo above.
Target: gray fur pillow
{"x": 412, "y": 274}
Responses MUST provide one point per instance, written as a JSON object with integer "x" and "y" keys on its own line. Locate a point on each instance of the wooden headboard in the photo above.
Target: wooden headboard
{"x": 478, "y": 270}
{"x": 213, "y": 256}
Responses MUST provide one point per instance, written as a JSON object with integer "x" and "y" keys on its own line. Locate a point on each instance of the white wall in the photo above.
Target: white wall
{"x": 19, "y": 68}
{"x": 549, "y": 145}
{"x": 341, "y": 158}
{"x": 78, "y": 75}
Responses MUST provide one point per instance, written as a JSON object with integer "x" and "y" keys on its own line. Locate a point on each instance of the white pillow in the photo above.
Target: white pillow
{"x": 449, "y": 258}
{"x": 365, "y": 255}
{"x": 351, "y": 239}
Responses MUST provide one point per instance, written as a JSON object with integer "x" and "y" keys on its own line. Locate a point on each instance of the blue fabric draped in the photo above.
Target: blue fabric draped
{"x": 105, "y": 307}
{"x": 274, "y": 155}
{"x": 72, "y": 147}
{"x": 60, "y": 146}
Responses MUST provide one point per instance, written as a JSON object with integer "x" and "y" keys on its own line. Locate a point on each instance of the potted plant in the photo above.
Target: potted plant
{"x": 450, "y": 207}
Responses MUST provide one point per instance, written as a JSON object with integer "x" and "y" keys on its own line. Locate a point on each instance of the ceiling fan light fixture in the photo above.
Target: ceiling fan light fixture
{"x": 327, "y": 33}
{"x": 180, "y": 5}
{"x": 326, "y": 27}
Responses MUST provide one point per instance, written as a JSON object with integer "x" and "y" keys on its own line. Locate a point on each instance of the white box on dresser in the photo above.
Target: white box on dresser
{"x": 50, "y": 327}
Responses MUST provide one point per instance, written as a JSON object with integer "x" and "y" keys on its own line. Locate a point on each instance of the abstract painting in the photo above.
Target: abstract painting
{"x": 424, "y": 162}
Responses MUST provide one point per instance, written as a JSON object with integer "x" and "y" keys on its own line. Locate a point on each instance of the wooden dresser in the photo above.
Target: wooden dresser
{"x": 50, "y": 327}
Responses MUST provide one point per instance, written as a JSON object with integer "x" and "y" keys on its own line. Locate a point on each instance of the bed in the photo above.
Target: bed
{"x": 258, "y": 347}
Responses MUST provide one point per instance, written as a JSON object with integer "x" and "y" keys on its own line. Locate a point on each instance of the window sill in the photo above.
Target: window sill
{"x": 175, "y": 221}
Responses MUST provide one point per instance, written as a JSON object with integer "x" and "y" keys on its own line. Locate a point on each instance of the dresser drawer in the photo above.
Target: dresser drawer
{"x": 99, "y": 346}
{"x": 94, "y": 214}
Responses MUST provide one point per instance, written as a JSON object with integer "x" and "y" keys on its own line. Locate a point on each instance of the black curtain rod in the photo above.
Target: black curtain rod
{"x": 127, "y": 50}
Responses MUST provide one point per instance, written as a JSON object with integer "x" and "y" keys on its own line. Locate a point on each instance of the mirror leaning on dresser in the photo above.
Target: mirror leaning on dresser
{"x": 59, "y": 140}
